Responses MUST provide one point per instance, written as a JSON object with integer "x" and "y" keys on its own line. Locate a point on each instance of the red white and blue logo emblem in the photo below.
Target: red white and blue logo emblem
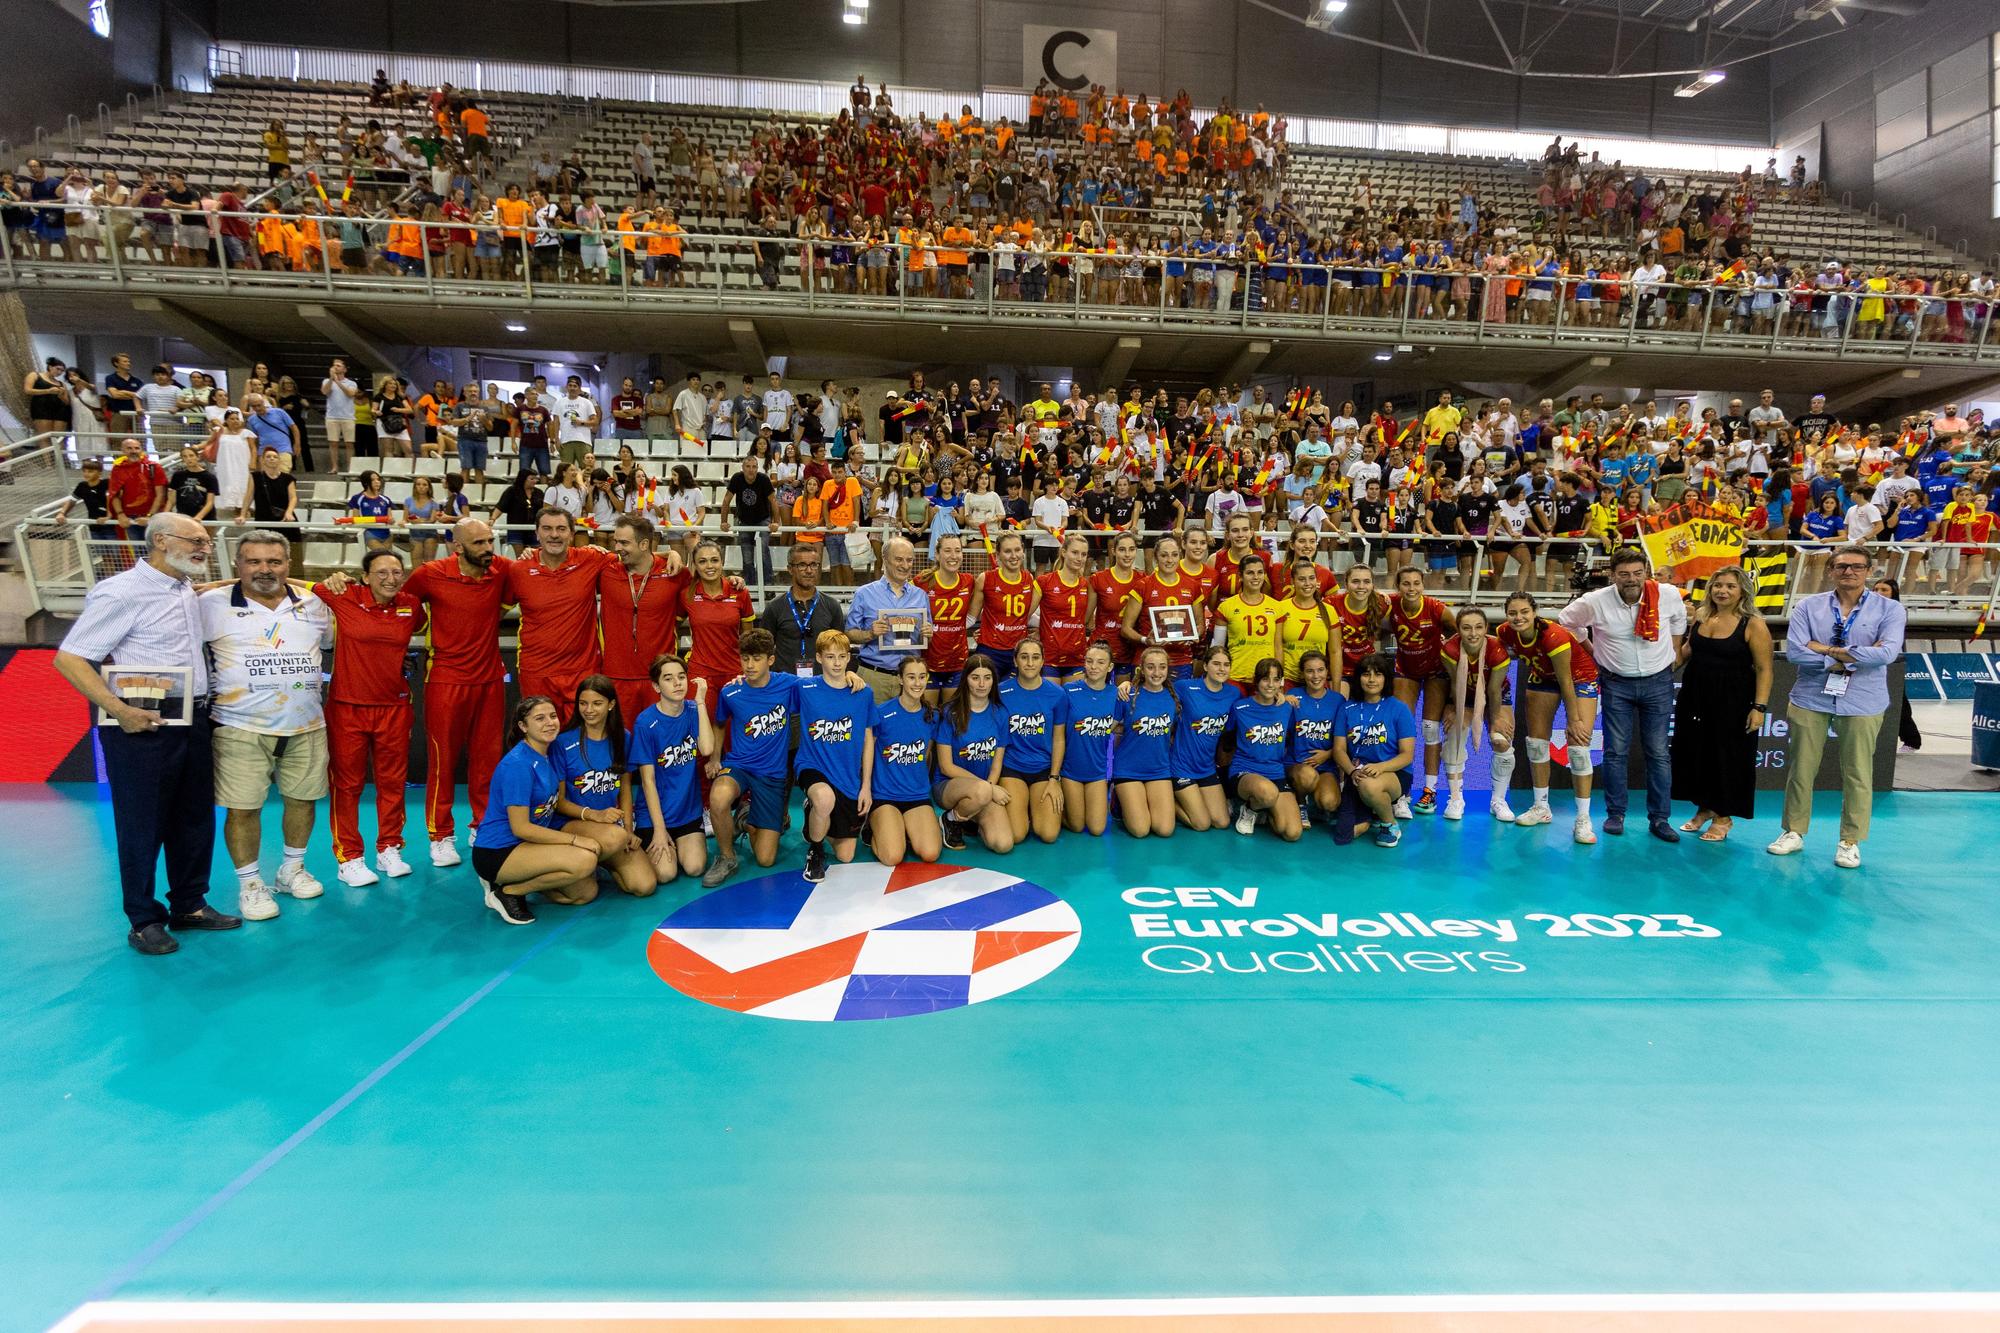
{"x": 870, "y": 941}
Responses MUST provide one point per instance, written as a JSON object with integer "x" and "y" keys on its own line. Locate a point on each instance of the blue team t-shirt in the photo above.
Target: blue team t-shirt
{"x": 758, "y": 721}
{"x": 1033, "y": 718}
{"x": 985, "y": 735}
{"x": 833, "y": 731}
{"x": 1092, "y": 722}
{"x": 525, "y": 777}
{"x": 1317, "y": 722}
{"x": 671, "y": 744}
{"x": 1204, "y": 717}
{"x": 902, "y": 769}
{"x": 586, "y": 767}
{"x": 1375, "y": 732}
{"x": 373, "y": 506}
{"x": 1914, "y": 522}
{"x": 1145, "y": 747}
{"x": 1263, "y": 737}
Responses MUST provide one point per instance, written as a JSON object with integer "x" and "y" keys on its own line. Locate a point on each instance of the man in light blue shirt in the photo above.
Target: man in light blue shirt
{"x": 1843, "y": 643}
{"x": 273, "y": 426}
{"x": 892, "y": 592}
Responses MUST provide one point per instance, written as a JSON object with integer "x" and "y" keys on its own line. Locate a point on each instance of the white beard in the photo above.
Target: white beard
{"x": 191, "y": 565}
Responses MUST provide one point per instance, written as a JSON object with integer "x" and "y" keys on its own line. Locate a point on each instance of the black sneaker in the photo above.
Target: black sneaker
{"x": 815, "y": 863}
{"x": 954, "y": 834}
{"x": 512, "y": 907}
{"x": 152, "y": 938}
{"x": 203, "y": 918}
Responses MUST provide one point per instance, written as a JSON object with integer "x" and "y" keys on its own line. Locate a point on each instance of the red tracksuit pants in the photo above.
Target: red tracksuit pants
{"x": 634, "y": 698}
{"x": 460, "y": 722}
{"x": 357, "y": 734}
{"x": 561, "y": 686}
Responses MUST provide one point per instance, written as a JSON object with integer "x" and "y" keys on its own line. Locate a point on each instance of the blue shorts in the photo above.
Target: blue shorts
{"x": 403, "y": 263}
{"x": 835, "y": 549}
{"x": 945, "y": 680}
{"x": 471, "y": 455}
{"x": 767, "y": 797}
{"x": 1002, "y": 659}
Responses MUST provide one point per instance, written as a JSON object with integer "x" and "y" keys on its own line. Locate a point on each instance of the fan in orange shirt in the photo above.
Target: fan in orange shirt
{"x": 953, "y": 244}
{"x": 513, "y": 212}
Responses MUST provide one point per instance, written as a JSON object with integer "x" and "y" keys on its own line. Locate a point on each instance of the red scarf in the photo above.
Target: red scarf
{"x": 1647, "y": 624}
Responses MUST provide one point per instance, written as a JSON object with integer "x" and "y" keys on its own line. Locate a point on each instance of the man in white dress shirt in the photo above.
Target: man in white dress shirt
{"x": 162, "y": 777}
{"x": 1634, "y": 627}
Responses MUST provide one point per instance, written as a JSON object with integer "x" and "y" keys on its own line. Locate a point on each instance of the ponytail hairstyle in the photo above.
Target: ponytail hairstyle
{"x": 512, "y": 731}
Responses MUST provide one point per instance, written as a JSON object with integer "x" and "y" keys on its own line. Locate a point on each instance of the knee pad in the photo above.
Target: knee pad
{"x": 1537, "y": 748}
{"x": 1580, "y": 762}
{"x": 1433, "y": 733}
{"x": 1503, "y": 769}
{"x": 1502, "y": 742}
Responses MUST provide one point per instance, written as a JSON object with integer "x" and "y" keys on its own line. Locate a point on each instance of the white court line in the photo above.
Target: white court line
{"x": 225, "y": 1312}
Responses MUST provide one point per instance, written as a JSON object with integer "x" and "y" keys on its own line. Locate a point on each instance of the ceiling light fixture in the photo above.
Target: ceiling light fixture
{"x": 1324, "y": 12}
{"x": 515, "y": 326}
{"x": 854, "y": 12}
{"x": 1700, "y": 84}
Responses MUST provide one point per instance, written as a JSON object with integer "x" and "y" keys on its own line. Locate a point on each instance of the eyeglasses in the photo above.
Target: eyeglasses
{"x": 197, "y": 543}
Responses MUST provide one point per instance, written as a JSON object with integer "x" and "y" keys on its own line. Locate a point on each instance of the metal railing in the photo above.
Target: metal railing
{"x": 410, "y": 260}
{"x": 63, "y": 560}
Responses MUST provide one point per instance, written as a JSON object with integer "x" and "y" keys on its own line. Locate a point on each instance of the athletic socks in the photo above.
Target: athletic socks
{"x": 1541, "y": 796}
{"x": 1583, "y": 806}
{"x": 249, "y": 874}
{"x": 295, "y": 858}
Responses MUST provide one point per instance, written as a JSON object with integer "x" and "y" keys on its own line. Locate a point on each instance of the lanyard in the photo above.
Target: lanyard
{"x": 1841, "y": 623}
{"x": 804, "y": 622}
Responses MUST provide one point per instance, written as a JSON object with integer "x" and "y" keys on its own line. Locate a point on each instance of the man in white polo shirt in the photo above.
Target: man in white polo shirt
{"x": 266, "y": 648}
{"x": 1635, "y": 627}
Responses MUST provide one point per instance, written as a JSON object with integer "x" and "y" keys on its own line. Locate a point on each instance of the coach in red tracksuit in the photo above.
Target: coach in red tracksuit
{"x": 556, "y": 588}
{"x": 368, "y": 710}
{"x": 639, "y": 595}
{"x": 465, "y": 697}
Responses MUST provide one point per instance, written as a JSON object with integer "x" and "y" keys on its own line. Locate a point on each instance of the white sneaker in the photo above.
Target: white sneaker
{"x": 355, "y": 874}
{"x": 444, "y": 852}
{"x": 1847, "y": 856}
{"x": 1586, "y": 832}
{"x": 1501, "y": 810}
{"x": 1538, "y": 813}
{"x": 299, "y": 883}
{"x": 254, "y": 901}
{"x": 1788, "y": 842}
{"x": 1246, "y": 820}
{"x": 391, "y": 863}
{"x": 1402, "y": 810}
{"x": 1454, "y": 807}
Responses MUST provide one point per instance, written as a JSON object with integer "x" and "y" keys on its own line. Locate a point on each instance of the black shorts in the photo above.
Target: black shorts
{"x": 1026, "y": 779}
{"x": 905, "y": 806}
{"x": 844, "y": 821}
{"x": 1186, "y": 784}
{"x": 675, "y": 832}
{"x": 1229, "y": 781}
{"x": 486, "y": 862}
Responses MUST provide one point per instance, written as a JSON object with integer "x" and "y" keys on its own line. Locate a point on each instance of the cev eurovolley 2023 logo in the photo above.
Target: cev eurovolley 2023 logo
{"x": 870, "y": 941}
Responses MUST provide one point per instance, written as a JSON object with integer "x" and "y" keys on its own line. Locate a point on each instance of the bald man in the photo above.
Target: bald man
{"x": 465, "y": 698}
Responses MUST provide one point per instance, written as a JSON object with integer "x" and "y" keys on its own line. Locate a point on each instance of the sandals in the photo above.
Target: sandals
{"x": 1717, "y": 832}
{"x": 1693, "y": 825}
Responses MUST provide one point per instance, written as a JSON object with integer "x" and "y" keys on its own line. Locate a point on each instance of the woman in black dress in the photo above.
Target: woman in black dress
{"x": 1724, "y": 702}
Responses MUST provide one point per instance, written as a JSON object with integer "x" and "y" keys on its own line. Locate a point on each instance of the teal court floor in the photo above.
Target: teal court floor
{"x": 1484, "y": 1062}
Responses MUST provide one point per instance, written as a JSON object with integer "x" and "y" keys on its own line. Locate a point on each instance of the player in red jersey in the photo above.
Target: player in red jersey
{"x": 1420, "y": 623}
{"x": 718, "y": 611}
{"x": 1067, "y": 609}
{"x": 1555, "y": 664}
{"x": 555, "y": 586}
{"x": 1303, "y": 545}
{"x": 1007, "y": 597}
{"x": 465, "y": 691}
{"x": 1239, "y": 539}
{"x": 639, "y": 602}
{"x": 1158, "y": 591}
{"x": 1363, "y": 616}
{"x": 1476, "y": 665}
{"x": 368, "y": 710}
{"x": 951, "y": 592}
{"x": 1110, "y": 589}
